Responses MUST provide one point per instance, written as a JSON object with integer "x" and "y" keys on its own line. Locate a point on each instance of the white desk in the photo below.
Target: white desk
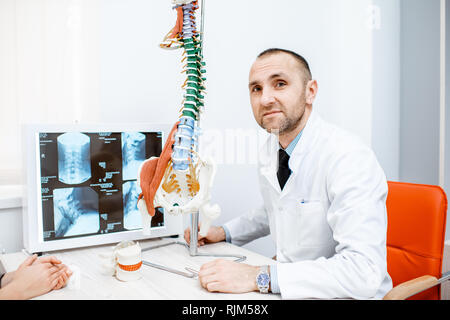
{"x": 155, "y": 284}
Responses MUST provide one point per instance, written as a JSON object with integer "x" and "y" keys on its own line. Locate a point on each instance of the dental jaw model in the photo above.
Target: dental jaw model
{"x": 180, "y": 180}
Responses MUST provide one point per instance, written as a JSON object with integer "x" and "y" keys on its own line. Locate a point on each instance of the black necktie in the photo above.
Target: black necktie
{"x": 283, "y": 172}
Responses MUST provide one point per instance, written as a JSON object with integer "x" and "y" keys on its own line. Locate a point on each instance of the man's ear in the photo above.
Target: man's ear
{"x": 311, "y": 91}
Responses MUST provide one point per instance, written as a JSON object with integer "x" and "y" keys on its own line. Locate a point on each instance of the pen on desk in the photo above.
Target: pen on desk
{"x": 25, "y": 252}
{"x": 192, "y": 270}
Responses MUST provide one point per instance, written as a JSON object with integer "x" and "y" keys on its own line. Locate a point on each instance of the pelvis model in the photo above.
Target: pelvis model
{"x": 180, "y": 180}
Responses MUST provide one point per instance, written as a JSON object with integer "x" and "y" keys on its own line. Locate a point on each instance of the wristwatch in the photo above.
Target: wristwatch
{"x": 263, "y": 279}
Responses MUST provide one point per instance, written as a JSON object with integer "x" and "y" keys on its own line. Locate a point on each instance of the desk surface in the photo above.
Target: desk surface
{"x": 155, "y": 284}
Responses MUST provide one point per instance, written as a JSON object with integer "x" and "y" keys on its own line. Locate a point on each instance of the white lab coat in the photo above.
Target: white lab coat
{"x": 329, "y": 223}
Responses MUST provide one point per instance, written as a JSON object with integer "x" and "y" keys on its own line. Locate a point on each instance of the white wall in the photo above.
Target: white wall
{"x": 141, "y": 82}
{"x": 332, "y": 35}
{"x": 420, "y": 95}
{"x": 386, "y": 86}
{"x": 11, "y": 230}
{"x": 126, "y": 77}
{"x": 447, "y": 114}
{"x": 420, "y": 91}
{"x": 10, "y": 218}
{"x": 48, "y": 69}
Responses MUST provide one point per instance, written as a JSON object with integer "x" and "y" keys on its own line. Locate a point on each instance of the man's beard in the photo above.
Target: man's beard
{"x": 287, "y": 125}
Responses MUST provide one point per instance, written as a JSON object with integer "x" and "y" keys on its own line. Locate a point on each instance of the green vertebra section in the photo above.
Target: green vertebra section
{"x": 194, "y": 84}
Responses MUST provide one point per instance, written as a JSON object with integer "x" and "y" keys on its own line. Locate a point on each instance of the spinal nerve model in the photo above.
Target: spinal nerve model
{"x": 180, "y": 180}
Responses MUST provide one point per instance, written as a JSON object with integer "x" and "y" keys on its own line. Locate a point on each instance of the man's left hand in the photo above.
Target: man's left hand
{"x": 228, "y": 277}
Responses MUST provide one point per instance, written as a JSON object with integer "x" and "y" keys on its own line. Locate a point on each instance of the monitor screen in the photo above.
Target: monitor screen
{"x": 89, "y": 181}
{"x": 82, "y": 186}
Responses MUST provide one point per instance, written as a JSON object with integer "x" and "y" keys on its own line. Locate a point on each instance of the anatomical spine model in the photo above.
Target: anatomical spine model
{"x": 180, "y": 180}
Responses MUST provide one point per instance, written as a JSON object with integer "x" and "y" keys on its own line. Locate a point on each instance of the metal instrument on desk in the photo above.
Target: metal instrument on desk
{"x": 191, "y": 273}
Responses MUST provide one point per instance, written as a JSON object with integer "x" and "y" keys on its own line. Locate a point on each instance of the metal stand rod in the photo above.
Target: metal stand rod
{"x": 193, "y": 248}
{"x": 181, "y": 273}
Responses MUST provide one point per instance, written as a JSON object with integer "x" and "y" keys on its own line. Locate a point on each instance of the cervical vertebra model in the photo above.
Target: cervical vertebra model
{"x": 179, "y": 180}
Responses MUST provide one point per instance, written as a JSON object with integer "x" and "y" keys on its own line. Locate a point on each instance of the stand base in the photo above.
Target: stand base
{"x": 191, "y": 272}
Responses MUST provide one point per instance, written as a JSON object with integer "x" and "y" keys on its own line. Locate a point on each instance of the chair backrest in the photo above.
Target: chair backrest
{"x": 416, "y": 233}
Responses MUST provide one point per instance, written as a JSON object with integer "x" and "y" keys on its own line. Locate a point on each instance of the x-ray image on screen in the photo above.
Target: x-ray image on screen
{"x": 133, "y": 153}
{"x": 132, "y": 217}
{"x": 74, "y": 164}
{"x": 88, "y": 182}
{"x": 75, "y": 211}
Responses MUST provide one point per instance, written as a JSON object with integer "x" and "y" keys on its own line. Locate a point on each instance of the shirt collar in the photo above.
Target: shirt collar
{"x": 290, "y": 148}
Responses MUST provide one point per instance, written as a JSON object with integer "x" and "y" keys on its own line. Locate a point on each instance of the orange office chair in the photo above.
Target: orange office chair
{"x": 415, "y": 240}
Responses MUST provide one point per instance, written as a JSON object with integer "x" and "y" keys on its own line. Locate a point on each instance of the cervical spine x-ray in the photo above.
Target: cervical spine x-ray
{"x": 74, "y": 161}
{"x": 133, "y": 153}
{"x": 132, "y": 216}
{"x": 75, "y": 211}
{"x": 89, "y": 182}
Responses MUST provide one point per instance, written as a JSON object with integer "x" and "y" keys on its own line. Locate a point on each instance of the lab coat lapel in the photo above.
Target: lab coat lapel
{"x": 301, "y": 149}
{"x": 269, "y": 162}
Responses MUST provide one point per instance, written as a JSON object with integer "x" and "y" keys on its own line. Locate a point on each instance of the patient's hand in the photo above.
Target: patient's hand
{"x": 35, "y": 277}
{"x": 64, "y": 278}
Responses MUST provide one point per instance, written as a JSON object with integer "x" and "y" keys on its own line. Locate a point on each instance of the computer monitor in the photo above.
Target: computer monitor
{"x": 81, "y": 187}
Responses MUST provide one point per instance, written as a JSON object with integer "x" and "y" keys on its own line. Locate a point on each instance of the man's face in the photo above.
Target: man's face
{"x": 277, "y": 92}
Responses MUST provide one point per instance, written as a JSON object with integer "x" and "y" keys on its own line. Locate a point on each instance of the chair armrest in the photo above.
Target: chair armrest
{"x": 411, "y": 287}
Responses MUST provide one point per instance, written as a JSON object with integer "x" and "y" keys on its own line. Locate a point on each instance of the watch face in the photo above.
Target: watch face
{"x": 263, "y": 280}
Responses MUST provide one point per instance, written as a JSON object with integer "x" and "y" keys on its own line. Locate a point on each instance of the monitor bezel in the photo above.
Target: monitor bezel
{"x": 32, "y": 215}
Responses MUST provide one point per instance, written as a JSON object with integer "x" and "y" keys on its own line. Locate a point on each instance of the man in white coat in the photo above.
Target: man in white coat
{"x": 324, "y": 199}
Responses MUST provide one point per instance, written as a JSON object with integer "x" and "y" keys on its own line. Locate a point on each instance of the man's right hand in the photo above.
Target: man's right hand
{"x": 215, "y": 234}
